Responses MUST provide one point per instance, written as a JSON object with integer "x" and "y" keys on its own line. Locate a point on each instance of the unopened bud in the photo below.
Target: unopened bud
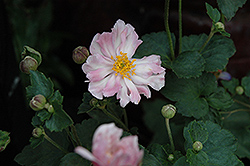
{"x": 4, "y": 140}
{"x": 219, "y": 26}
{"x": 28, "y": 51}
{"x": 37, "y": 132}
{"x": 239, "y": 90}
{"x": 37, "y": 102}
{"x": 51, "y": 109}
{"x": 168, "y": 111}
{"x": 171, "y": 157}
{"x": 80, "y": 54}
{"x": 197, "y": 146}
{"x": 27, "y": 64}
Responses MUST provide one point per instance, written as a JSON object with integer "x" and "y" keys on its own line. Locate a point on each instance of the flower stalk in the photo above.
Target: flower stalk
{"x": 170, "y": 135}
{"x": 167, "y": 28}
{"x": 211, "y": 34}
{"x": 180, "y": 26}
{"x": 73, "y": 129}
{"x": 54, "y": 143}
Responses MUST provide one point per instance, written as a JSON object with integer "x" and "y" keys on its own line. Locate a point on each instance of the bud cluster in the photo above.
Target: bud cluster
{"x": 39, "y": 102}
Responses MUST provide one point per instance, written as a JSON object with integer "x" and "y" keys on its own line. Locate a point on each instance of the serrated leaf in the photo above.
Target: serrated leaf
{"x": 181, "y": 162}
{"x": 219, "y": 147}
{"x": 213, "y": 13}
{"x": 39, "y": 85}
{"x": 73, "y": 159}
{"x": 220, "y": 99}
{"x": 156, "y": 43}
{"x": 34, "y": 142}
{"x": 190, "y": 94}
{"x": 4, "y": 139}
{"x": 43, "y": 115}
{"x": 57, "y": 96}
{"x": 36, "y": 121}
{"x": 231, "y": 85}
{"x": 59, "y": 119}
{"x": 245, "y": 82}
{"x": 188, "y": 64}
{"x": 216, "y": 53}
{"x": 194, "y": 159}
{"x": 149, "y": 159}
{"x": 45, "y": 154}
{"x": 85, "y": 106}
{"x": 230, "y": 7}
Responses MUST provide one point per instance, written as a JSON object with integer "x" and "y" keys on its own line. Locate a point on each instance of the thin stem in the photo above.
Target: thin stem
{"x": 54, "y": 143}
{"x": 70, "y": 136}
{"x": 242, "y": 103}
{"x": 115, "y": 119}
{"x": 73, "y": 129}
{"x": 208, "y": 39}
{"x": 180, "y": 26}
{"x": 125, "y": 117}
{"x": 234, "y": 111}
{"x": 170, "y": 135}
{"x": 167, "y": 28}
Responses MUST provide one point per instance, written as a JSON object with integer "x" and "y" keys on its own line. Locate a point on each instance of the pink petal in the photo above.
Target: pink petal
{"x": 95, "y": 47}
{"x": 112, "y": 86}
{"x": 123, "y": 95}
{"x": 85, "y": 154}
{"x": 99, "y": 74}
{"x": 96, "y": 88}
{"x": 106, "y": 44}
{"x": 133, "y": 92}
{"x": 143, "y": 89}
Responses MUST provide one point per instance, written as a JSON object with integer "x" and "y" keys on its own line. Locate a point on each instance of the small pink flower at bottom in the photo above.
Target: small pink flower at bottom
{"x": 109, "y": 150}
{"x": 111, "y": 69}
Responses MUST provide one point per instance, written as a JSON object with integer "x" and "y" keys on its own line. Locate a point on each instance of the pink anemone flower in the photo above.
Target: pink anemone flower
{"x": 111, "y": 69}
{"x": 109, "y": 150}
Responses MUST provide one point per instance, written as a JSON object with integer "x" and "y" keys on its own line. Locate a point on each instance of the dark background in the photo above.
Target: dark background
{"x": 80, "y": 20}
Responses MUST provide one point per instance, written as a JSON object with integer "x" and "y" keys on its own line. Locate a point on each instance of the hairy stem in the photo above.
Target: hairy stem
{"x": 208, "y": 39}
{"x": 167, "y": 28}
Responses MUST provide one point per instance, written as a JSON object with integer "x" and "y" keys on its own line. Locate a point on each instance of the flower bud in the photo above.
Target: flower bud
{"x": 239, "y": 90}
{"x": 80, "y": 54}
{"x": 4, "y": 140}
{"x": 168, "y": 111}
{"x": 197, "y": 146}
{"x": 219, "y": 26}
{"x": 37, "y": 102}
{"x": 28, "y": 51}
{"x": 27, "y": 64}
{"x": 51, "y": 109}
{"x": 171, "y": 157}
{"x": 37, "y": 132}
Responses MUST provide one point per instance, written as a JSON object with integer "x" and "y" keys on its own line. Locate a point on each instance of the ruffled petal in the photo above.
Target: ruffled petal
{"x": 99, "y": 74}
{"x": 123, "y": 94}
{"x": 106, "y": 44}
{"x": 133, "y": 92}
{"x": 113, "y": 86}
{"x": 143, "y": 89}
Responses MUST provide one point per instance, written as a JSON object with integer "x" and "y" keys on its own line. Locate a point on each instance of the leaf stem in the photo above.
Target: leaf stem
{"x": 115, "y": 119}
{"x": 170, "y": 135}
{"x": 166, "y": 14}
{"x": 180, "y": 26}
{"x": 208, "y": 39}
{"x": 125, "y": 117}
{"x": 73, "y": 129}
{"x": 54, "y": 143}
{"x": 234, "y": 111}
{"x": 242, "y": 103}
{"x": 70, "y": 136}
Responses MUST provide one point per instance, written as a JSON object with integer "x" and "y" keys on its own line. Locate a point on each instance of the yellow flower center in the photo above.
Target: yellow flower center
{"x": 123, "y": 66}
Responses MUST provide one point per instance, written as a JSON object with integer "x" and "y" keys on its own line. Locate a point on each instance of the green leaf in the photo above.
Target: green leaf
{"x": 231, "y": 85}
{"x": 213, "y": 13}
{"x": 34, "y": 142}
{"x": 245, "y": 82}
{"x": 85, "y": 106}
{"x": 59, "y": 119}
{"x": 181, "y": 162}
{"x": 194, "y": 159}
{"x": 190, "y": 94}
{"x": 43, "y": 115}
{"x": 188, "y": 64}
{"x": 36, "y": 121}
{"x": 220, "y": 99}
{"x": 73, "y": 159}
{"x": 45, "y": 154}
{"x": 149, "y": 159}
{"x": 156, "y": 43}
{"x": 230, "y": 7}
{"x": 216, "y": 53}
{"x": 237, "y": 121}
{"x": 219, "y": 146}
{"x": 39, "y": 85}
{"x": 4, "y": 139}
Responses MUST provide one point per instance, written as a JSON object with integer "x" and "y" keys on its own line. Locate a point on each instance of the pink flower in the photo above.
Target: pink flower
{"x": 109, "y": 150}
{"x": 112, "y": 70}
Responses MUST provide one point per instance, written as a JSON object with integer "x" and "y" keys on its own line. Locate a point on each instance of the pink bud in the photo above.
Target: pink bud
{"x": 109, "y": 150}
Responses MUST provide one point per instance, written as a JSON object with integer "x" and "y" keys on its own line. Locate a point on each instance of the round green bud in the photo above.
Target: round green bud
{"x": 80, "y": 54}
{"x": 168, "y": 111}
{"x": 37, "y": 132}
{"x": 27, "y": 64}
{"x": 239, "y": 90}
{"x": 219, "y": 26}
{"x": 51, "y": 109}
{"x": 37, "y": 102}
{"x": 171, "y": 157}
{"x": 197, "y": 146}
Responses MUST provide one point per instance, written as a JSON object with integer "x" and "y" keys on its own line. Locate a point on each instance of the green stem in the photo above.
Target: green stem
{"x": 70, "y": 136}
{"x": 242, "y": 103}
{"x": 115, "y": 119}
{"x": 180, "y": 26}
{"x": 73, "y": 129}
{"x": 234, "y": 111}
{"x": 208, "y": 39}
{"x": 125, "y": 117}
{"x": 170, "y": 135}
{"x": 167, "y": 28}
{"x": 54, "y": 143}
